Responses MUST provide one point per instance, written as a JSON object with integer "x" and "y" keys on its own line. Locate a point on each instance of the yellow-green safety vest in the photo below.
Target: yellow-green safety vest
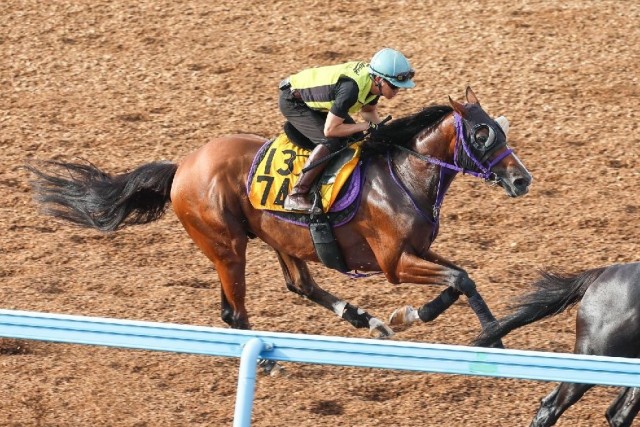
{"x": 315, "y": 84}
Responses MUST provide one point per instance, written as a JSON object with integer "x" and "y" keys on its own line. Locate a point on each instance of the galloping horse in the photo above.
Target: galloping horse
{"x": 607, "y": 324}
{"x": 410, "y": 165}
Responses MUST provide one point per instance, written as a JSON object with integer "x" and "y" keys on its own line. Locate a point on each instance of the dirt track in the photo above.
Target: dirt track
{"x": 121, "y": 84}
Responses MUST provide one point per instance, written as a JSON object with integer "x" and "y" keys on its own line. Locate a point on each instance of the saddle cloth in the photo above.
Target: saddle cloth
{"x": 278, "y": 164}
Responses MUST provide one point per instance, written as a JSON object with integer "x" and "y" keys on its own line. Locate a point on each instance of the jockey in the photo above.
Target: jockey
{"x": 318, "y": 103}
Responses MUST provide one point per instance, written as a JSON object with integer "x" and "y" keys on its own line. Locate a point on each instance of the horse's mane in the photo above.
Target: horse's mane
{"x": 400, "y": 131}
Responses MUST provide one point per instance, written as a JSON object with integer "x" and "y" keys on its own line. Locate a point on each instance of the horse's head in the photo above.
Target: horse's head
{"x": 481, "y": 147}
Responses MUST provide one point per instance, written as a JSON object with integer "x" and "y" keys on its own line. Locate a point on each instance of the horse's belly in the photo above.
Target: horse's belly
{"x": 296, "y": 241}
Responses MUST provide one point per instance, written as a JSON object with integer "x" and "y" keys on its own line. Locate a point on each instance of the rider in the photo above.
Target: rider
{"x": 318, "y": 103}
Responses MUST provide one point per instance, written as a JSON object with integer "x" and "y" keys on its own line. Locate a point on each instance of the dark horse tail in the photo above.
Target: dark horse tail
{"x": 553, "y": 293}
{"x": 89, "y": 197}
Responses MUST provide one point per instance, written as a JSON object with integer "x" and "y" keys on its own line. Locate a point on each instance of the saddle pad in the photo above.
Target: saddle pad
{"x": 278, "y": 165}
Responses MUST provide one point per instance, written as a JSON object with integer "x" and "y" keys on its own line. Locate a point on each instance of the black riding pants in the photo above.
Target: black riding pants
{"x": 308, "y": 122}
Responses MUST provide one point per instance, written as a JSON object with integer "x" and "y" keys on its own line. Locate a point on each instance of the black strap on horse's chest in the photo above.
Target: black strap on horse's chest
{"x": 324, "y": 241}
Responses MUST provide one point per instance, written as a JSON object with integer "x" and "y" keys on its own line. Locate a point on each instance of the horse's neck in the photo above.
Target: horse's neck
{"x": 435, "y": 144}
{"x": 421, "y": 182}
{"x": 427, "y": 182}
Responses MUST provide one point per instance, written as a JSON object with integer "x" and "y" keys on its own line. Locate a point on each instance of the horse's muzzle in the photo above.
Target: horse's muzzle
{"x": 517, "y": 184}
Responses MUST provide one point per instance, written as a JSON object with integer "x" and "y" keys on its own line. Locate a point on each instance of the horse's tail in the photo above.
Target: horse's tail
{"x": 553, "y": 293}
{"x": 89, "y": 197}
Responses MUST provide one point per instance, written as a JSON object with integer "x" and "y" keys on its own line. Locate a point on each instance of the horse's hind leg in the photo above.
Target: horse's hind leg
{"x": 229, "y": 257}
{"x": 556, "y": 402}
{"x": 298, "y": 280}
{"x": 625, "y": 408}
{"x": 225, "y": 245}
{"x": 226, "y": 311}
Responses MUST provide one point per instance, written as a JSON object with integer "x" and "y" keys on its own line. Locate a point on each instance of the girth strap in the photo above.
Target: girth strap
{"x": 325, "y": 243}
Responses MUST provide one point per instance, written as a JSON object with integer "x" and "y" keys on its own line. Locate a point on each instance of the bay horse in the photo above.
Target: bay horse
{"x": 607, "y": 324}
{"x": 409, "y": 166}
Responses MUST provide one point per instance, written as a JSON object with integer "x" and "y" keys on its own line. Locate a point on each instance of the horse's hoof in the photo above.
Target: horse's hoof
{"x": 403, "y": 316}
{"x": 270, "y": 367}
{"x": 278, "y": 371}
{"x": 377, "y": 329}
{"x": 497, "y": 344}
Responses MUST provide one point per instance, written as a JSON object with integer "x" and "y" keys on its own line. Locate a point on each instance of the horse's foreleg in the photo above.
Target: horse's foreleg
{"x": 465, "y": 285}
{"x": 624, "y": 408}
{"x": 406, "y": 315}
{"x": 298, "y": 279}
{"x": 437, "y": 271}
{"x": 556, "y": 402}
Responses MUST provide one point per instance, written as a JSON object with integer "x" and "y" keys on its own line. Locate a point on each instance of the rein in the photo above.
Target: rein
{"x": 485, "y": 171}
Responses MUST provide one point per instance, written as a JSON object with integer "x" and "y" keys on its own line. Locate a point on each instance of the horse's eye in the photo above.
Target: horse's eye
{"x": 484, "y": 136}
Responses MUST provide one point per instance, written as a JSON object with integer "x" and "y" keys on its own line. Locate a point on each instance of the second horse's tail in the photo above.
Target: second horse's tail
{"x": 553, "y": 293}
{"x": 86, "y": 196}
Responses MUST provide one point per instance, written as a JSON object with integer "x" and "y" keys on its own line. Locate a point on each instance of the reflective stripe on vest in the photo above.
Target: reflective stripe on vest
{"x": 316, "y": 85}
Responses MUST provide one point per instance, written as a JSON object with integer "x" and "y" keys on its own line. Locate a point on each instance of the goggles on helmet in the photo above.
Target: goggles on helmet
{"x": 401, "y": 77}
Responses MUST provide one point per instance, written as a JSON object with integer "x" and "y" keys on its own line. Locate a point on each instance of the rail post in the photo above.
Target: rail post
{"x": 247, "y": 382}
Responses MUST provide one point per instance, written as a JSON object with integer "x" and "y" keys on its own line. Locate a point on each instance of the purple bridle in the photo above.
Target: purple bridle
{"x": 485, "y": 171}
{"x": 448, "y": 168}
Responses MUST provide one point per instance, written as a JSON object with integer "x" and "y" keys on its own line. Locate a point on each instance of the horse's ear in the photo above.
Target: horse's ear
{"x": 457, "y": 107}
{"x": 503, "y": 122}
{"x": 471, "y": 97}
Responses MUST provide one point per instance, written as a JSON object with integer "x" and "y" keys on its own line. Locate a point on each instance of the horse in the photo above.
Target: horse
{"x": 607, "y": 324}
{"x": 409, "y": 166}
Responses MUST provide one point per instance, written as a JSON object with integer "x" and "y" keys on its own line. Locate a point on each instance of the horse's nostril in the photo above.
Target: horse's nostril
{"x": 521, "y": 183}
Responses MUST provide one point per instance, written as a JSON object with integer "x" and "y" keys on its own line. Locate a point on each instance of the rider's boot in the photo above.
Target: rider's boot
{"x": 298, "y": 199}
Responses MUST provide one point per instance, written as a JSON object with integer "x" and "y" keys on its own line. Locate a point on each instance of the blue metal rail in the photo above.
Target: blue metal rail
{"x": 328, "y": 350}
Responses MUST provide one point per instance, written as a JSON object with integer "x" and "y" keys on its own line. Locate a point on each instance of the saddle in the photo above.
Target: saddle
{"x": 274, "y": 172}
{"x": 279, "y": 162}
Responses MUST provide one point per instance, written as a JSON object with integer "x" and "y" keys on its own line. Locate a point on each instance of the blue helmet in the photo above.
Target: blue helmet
{"x": 391, "y": 65}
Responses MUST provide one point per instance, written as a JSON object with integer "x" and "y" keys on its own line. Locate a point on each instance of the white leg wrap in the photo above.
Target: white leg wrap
{"x": 338, "y": 308}
{"x": 412, "y": 315}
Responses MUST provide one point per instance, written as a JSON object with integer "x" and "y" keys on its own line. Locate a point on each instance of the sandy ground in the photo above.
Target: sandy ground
{"x": 122, "y": 83}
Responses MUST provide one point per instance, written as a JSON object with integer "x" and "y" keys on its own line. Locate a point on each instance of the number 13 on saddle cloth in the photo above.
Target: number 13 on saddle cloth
{"x": 278, "y": 164}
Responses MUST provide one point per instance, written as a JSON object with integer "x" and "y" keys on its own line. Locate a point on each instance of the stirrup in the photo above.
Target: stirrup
{"x": 291, "y": 205}
{"x": 312, "y": 210}
{"x": 312, "y": 207}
